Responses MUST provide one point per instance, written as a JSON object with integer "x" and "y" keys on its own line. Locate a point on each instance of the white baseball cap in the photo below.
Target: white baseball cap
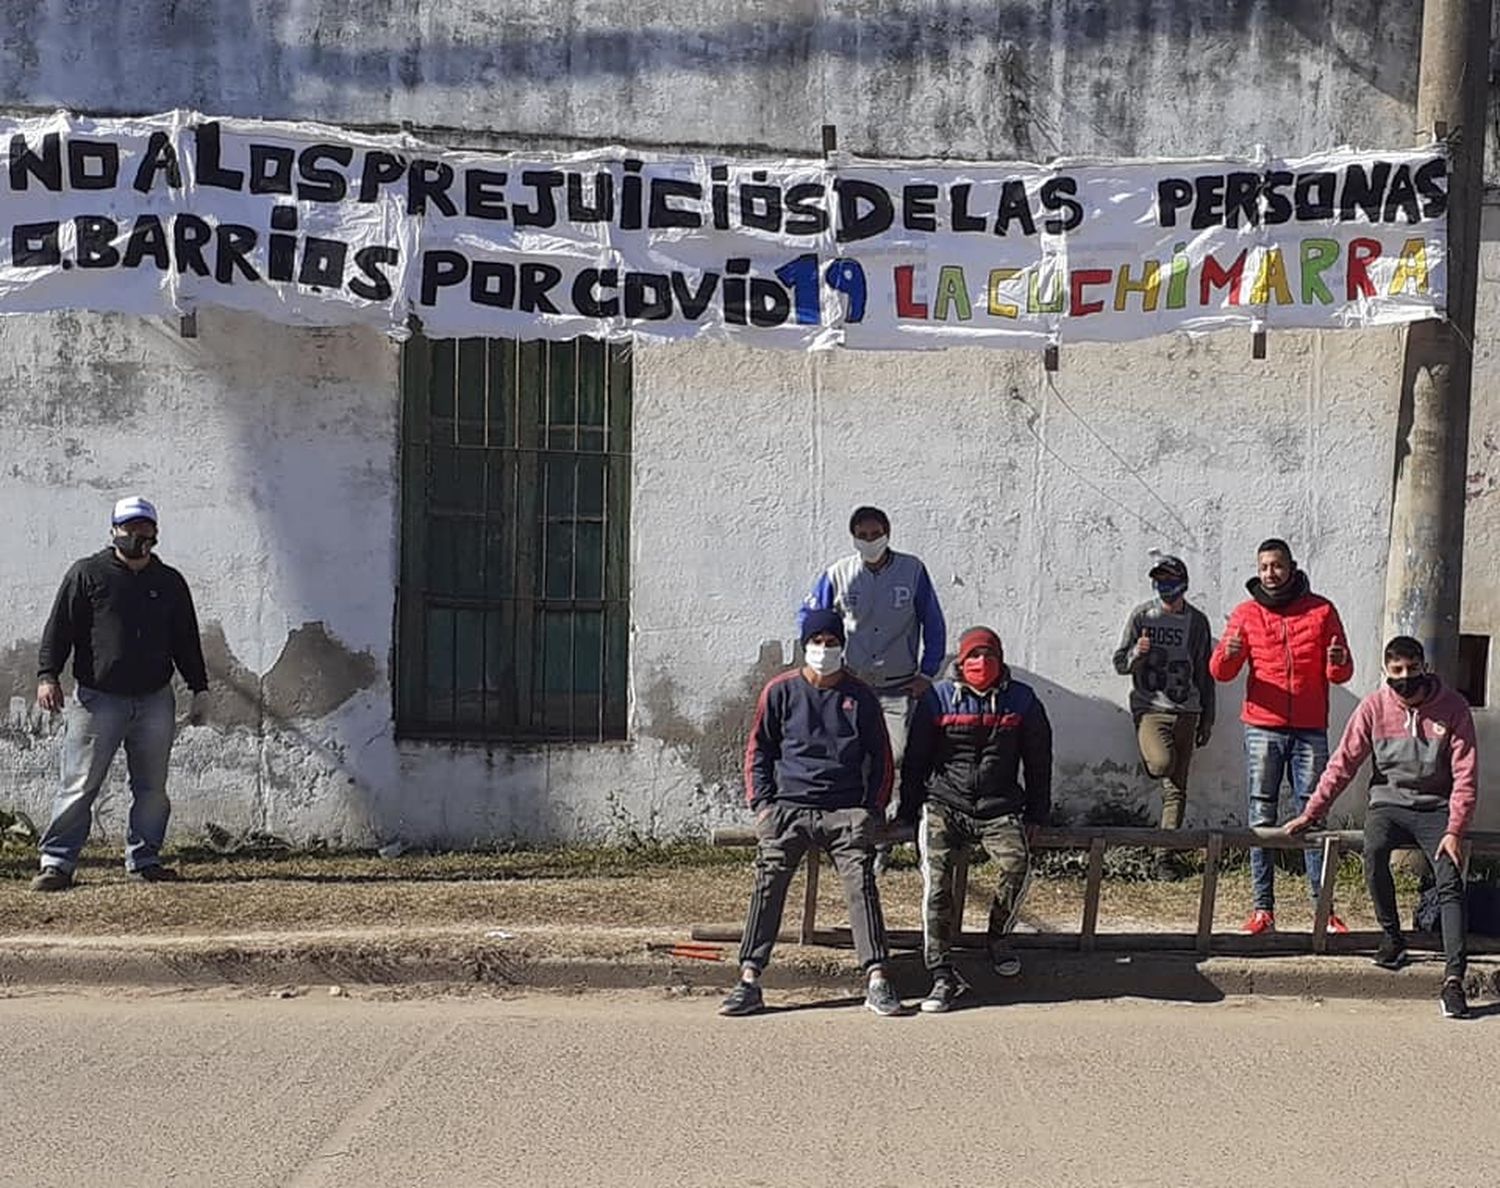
{"x": 134, "y": 507}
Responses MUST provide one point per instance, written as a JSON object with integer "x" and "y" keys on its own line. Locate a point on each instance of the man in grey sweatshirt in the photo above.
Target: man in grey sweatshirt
{"x": 897, "y": 633}
{"x": 1164, "y": 650}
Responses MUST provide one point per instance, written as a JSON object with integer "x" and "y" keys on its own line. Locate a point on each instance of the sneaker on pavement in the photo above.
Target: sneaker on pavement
{"x": 1260, "y": 921}
{"x": 1391, "y": 954}
{"x": 744, "y": 999}
{"x": 882, "y": 999}
{"x": 52, "y": 878}
{"x": 1003, "y": 961}
{"x": 156, "y": 874}
{"x": 1336, "y": 925}
{"x": 1452, "y": 1001}
{"x": 946, "y": 988}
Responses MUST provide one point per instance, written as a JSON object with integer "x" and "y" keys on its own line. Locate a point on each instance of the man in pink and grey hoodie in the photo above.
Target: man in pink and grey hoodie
{"x": 1420, "y": 735}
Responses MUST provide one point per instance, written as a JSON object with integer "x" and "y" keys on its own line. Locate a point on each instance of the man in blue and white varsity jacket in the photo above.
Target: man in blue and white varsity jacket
{"x": 896, "y": 631}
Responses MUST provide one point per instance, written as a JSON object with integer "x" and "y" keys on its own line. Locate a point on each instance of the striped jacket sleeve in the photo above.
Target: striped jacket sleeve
{"x": 763, "y": 748}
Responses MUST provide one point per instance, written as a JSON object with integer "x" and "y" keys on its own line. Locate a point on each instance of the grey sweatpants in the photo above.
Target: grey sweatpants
{"x": 785, "y": 836}
{"x": 896, "y": 707}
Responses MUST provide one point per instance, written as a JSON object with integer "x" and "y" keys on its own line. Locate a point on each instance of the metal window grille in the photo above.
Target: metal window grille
{"x": 514, "y": 595}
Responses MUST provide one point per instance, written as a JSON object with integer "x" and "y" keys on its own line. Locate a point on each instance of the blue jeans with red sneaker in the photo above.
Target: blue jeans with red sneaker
{"x": 1272, "y": 755}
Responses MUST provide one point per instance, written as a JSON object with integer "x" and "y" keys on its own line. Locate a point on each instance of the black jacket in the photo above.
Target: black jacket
{"x": 125, "y": 630}
{"x": 967, "y": 750}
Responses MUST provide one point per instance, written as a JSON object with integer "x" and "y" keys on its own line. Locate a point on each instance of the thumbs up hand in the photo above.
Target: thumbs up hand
{"x": 1336, "y": 652}
{"x": 1235, "y": 644}
{"x": 1143, "y": 645}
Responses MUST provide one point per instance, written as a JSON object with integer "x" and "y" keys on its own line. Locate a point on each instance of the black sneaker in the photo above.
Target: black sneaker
{"x": 52, "y": 878}
{"x": 1004, "y": 961}
{"x": 946, "y": 988}
{"x": 156, "y": 874}
{"x": 1391, "y": 954}
{"x": 881, "y": 998}
{"x": 1452, "y": 1001}
{"x": 744, "y": 999}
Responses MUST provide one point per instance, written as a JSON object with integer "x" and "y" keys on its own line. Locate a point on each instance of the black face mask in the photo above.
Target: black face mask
{"x": 1407, "y": 687}
{"x": 132, "y": 546}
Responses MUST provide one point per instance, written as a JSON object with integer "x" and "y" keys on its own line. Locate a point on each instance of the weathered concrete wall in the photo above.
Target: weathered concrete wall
{"x": 245, "y": 436}
{"x": 272, "y": 451}
{"x": 1028, "y": 78}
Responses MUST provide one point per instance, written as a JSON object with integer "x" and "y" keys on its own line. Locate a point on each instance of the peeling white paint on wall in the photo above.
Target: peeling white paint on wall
{"x": 273, "y": 452}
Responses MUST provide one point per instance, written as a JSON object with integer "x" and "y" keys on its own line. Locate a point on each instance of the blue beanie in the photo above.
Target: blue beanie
{"x": 818, "y": 621}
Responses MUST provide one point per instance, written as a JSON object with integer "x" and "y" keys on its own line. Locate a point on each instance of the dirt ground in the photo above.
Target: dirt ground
{"x": 661, "y": 889}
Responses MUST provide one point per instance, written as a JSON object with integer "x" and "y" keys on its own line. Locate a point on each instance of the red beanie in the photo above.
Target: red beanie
{"x": 978, "y": 637}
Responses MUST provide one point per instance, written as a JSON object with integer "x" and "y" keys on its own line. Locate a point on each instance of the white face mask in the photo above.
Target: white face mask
{"x": 824, "y": 659}
{"x": 872, "y": 550}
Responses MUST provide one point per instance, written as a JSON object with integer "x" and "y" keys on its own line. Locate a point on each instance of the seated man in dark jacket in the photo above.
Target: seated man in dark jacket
{"x": 818, "y": 775}
{"x": 970, "y": 739}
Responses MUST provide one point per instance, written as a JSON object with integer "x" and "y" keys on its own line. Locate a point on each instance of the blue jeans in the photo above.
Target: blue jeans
{"x": 1271, "y": 755}
{"x": 94, "y": 726}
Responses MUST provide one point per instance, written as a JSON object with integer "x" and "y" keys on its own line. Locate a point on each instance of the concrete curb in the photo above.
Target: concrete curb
{"x": 399, "y": 961}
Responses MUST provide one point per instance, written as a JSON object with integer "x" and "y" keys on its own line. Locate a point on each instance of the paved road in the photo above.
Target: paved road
{"x": 646, "y": 1090}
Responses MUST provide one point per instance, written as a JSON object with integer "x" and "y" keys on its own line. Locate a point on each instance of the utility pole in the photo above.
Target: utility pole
{"x": 1424, "y": 569}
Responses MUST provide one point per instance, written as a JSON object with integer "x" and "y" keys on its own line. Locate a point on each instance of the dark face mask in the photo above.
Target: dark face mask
{"x": 1170, "y": 591}
{"x": 132, "y": 546}
{"x": 1407, "y": 687}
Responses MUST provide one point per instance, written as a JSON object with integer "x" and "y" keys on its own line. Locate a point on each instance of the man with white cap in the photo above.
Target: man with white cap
{"x": 127, "y": 619}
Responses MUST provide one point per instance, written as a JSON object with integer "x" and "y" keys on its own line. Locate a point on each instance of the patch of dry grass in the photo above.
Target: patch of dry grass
{"x": 665, "y": 888}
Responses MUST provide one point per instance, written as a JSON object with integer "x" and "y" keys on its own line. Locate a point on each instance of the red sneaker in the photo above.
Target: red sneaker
{"x": 1260, "y": 921}
{"x": 1336, "y": 925}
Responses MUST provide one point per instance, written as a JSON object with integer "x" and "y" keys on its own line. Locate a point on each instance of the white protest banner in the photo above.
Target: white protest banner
{"x": 1129, "y": 250}
{"x": 656, "y": 248}
{"x": 285, "y": 221}
{"x": 306, "y": 224}
{"x": 88, "y": 209}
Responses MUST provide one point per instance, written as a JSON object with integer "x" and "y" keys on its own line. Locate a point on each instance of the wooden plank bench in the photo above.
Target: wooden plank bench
{"x": 1212, "y": 843}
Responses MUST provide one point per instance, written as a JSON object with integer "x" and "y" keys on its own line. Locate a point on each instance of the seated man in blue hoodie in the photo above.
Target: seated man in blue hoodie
{"x": 818, "y": 776}
{"x": 971, "y": 738}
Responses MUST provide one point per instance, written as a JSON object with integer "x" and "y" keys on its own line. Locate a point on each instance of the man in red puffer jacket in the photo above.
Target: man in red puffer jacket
{"x": 1295, "y": 647}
